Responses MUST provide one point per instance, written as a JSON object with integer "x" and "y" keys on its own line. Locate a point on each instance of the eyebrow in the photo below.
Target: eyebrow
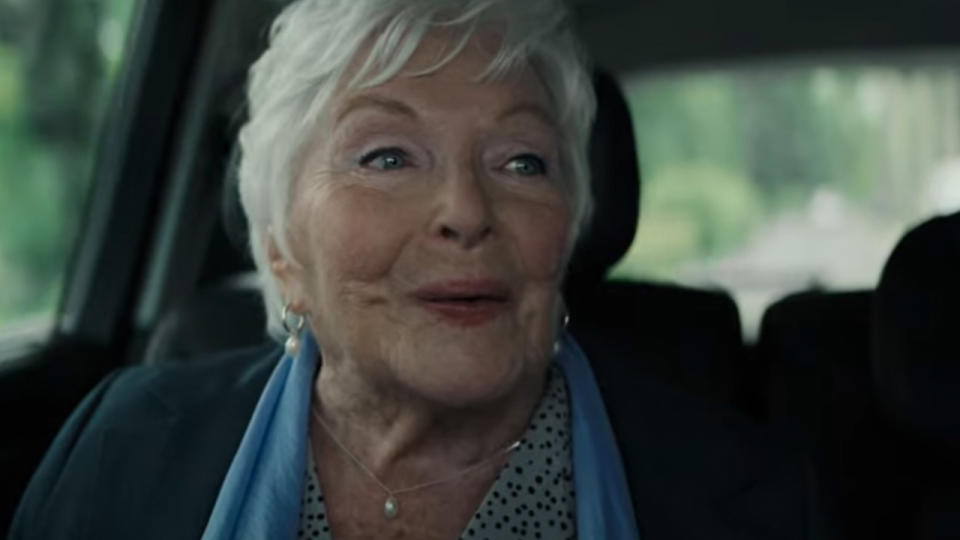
{"x": 396, "y": 107}
{"x": 531, "y": 109}
{"x": 384, "y": 104}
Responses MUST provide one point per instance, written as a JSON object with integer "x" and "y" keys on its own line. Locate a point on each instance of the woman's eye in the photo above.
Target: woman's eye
{"x": 385, "y": 159}
{"x": 527, "y": 165}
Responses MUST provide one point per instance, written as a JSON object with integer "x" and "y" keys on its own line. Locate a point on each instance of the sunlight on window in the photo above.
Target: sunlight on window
{"x": 772, "y": 179}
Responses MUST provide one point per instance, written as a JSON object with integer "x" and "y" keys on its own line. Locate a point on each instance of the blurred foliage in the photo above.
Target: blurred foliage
{"x": 697, "y": 209}
{"x": 724, "y": 151}
{"x": 58, "y": 61}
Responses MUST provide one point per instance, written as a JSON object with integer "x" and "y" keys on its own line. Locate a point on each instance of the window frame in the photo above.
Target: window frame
{"x": 129, "y": 168}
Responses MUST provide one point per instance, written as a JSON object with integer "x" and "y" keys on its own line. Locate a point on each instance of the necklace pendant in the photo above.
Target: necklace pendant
{"x": 390, "y": 508}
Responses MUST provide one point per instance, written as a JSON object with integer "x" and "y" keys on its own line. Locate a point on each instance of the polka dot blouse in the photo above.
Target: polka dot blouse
{"x": 532, "y": 496}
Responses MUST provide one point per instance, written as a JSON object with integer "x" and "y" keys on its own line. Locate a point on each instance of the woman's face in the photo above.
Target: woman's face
{"x": 429, "y": 225}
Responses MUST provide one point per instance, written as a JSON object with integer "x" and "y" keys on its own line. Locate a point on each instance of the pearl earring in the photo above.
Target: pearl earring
{"x": 292, "y": 345}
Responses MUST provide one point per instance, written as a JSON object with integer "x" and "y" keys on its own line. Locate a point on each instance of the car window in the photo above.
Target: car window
{"x": 767, "y": 179}
{"x": 59, "y": 61}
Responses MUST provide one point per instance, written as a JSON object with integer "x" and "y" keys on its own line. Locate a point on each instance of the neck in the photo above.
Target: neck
{"x": 404, "y": 438}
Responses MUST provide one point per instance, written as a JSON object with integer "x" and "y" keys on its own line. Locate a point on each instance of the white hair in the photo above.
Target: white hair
{"x": 313, "y": 43}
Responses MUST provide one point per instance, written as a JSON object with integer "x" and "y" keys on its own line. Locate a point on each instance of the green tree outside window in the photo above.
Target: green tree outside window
{"x": 58, "y": 67}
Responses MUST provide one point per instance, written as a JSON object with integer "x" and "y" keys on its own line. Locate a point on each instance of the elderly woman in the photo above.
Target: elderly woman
{"x": 414, "y": 173}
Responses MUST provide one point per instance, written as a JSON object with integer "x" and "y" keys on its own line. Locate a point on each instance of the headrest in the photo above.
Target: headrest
{"x": 916, "y": 331}
{"x": 615, "y": 185}
{"x": 815, "y": 327}
{"x": 227, "y": 316}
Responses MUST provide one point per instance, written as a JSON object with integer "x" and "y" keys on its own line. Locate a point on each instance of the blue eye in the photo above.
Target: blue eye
{"x": 385, "y": 159}
{"x": 527, "y": 165}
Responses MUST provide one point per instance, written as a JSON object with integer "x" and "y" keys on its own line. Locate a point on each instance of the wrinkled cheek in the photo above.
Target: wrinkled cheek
{"x": 350, "y": 242}
{"x": 543, "y": 247}
{"x": 357, "y": 236}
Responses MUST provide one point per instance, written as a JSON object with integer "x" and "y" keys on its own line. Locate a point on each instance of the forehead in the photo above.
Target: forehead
{"x": 458, "y": 84}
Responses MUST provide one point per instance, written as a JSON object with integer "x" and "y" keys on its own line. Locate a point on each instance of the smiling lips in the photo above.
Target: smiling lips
{"x": 464, "y": 302}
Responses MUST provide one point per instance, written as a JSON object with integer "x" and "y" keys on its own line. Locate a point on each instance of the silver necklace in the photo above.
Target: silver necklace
{"x": 391, "y": 507}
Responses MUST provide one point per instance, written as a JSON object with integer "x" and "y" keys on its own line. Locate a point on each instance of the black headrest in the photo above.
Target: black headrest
{"x": 615, "y": 186}
{"x": 816, "y": 327}
{"x": 227, "y": 316}
{"x": 916, "y": 331}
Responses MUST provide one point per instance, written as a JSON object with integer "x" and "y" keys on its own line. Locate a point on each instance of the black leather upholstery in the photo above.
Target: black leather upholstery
{"x": 227, "y": 316}
{"x": 689, "y": 338}
{"x": 917, "y": 372}
{"x": 866, "y": 383}
{"x": 616, "y": 189}
{"x": 814, "y": 356}
{"x": 809, "y": 343}
{"x": 917, "y": 364}
{"x": 938, "y": 517}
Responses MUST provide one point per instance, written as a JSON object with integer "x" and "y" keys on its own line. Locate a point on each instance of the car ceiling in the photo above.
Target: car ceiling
{"x": 624, "y": 35}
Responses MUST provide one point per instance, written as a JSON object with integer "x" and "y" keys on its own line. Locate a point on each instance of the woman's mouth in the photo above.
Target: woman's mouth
{"x": 464, "y": 302}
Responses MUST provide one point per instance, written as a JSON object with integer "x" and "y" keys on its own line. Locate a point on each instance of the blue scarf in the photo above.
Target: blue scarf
{"x": 261, "y": 494}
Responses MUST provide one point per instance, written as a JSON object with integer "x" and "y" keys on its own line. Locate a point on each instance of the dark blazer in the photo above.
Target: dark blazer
{"x": 144, "y": 455}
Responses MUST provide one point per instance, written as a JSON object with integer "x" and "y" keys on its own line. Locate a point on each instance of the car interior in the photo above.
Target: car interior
{"x": 863, "y": 383}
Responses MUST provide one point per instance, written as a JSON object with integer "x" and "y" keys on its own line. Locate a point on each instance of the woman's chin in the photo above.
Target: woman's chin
{"x": 458, "y": 380}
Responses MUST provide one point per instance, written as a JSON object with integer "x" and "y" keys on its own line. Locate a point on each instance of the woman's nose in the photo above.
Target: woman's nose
{"x": 465, "y": 215}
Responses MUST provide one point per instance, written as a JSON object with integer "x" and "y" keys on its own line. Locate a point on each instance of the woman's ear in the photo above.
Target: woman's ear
{"x": 289, "y": 275}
